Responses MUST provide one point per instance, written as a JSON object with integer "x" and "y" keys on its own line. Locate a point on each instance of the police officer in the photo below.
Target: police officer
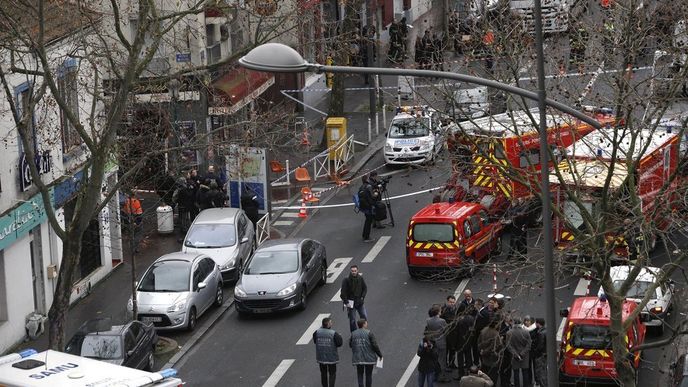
{"x": 327, "y": 340}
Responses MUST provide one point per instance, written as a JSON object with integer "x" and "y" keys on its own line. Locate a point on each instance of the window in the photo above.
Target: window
{"x": 197, "y": 277}
{"x": 484, "y": 217}
{"x": 129, "y": 342}
{"x": 475, "y": 224}
{"x": 208, "y": 265}
{"x": 23, "y": 95}
{"x": 433, "y": 232}
{"x": 467, "y": 229}
{"x": 135, "y": 329}
{"x": 306, "y": 252}
{"x": 67, "y": 86}
{"x": 591, "y": 337}
{"x": 529, "y": 158}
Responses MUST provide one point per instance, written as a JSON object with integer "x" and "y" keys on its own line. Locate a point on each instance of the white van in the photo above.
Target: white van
{"x": 415, "y": 136}
{"x": 51, "y": 368}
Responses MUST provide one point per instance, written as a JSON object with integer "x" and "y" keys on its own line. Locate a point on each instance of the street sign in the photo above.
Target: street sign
{"x": 185, "y": 57}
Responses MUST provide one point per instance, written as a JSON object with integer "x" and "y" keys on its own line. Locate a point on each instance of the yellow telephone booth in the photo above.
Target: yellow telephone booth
{"x": 336, "y": 131}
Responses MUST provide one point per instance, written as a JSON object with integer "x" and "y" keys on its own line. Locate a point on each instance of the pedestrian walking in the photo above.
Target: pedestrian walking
{"x": 365, "y": 353}
{"x": 476, "y": 378}
{"x": 354, "y": 290}
{"x": 436, "y": 329}
{"x": 491, "y": 348}
{"x": 327, "y": 340}
{"x": 429, "y": 362}
{"x": 518, "y": 343}
{"x": 365, "y": 205}
{"x": 540, "y": 353}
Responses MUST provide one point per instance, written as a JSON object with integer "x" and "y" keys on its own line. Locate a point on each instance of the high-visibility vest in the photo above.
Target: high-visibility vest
{"x": 489, "y": 37}
{"x": 606, "y": 3}
{"x": 132, "y": 206}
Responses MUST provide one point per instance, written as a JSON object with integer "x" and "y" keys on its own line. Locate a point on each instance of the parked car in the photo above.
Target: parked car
{"x": 657, "y": 309}
{"x": 415, "y": 136}
{"x": 280, "y": 275}
{"x": 224, "y": 234}
{"x": 176, "y": 289}
{"x": 130, "y": 345}
{"x": 679, "y": 372}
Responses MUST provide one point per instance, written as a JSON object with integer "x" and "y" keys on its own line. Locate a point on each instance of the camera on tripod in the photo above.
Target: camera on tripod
{"x": 382, "y": 184}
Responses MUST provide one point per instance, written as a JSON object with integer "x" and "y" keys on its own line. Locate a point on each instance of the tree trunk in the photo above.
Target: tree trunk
{"x": 57, "y": 314}
{"x": 624, "y": 370}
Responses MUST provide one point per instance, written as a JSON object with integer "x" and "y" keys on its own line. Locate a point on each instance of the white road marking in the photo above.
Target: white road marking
{"x": 283, "y": 223}
{"x": 336, "y": 297}
{"x": 582, "y": 287}
{"x": 409, "y": 371}
{"x": 308, "y": 335}
{"x": 379, "y": 245}
{"x": 289, "y": 215}
{"x": 460, "y": 288}
{"x": 319, "y": 189}
{"x": 336, "y": 267}
{"x": 560, "y": 330}
{"x": 278, "y": 373}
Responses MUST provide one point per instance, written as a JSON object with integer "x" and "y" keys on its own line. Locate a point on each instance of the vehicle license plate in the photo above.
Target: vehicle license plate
{"x": 586, "y": 363}
{"x": 423, "y": 254}
{"x": 151, "y": 319}
{"x": 406, "y": 142}
{"x": 262, "y": 310}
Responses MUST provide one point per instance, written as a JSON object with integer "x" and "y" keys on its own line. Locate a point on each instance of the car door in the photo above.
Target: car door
{"x": 250, "y": 229}
{"x": 141, "y": 348}
{"x": 130, "y": 354}
{"x": 242, "y": 236}
{"x": 306, "y": 264}
{"x": 200, "y": 295}
{"x": 477, "y": 237}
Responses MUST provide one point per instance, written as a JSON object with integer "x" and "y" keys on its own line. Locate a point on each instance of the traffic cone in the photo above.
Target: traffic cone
{"x": 302, "y": 211}
{"x": 305, "y": 137}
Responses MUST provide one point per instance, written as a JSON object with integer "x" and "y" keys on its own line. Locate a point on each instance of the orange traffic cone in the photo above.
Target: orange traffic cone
{"x": 302, "y": 211}
{"x": 305, "y": 137}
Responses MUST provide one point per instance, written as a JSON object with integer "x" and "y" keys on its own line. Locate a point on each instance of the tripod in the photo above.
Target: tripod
{"x": 388, "y": 204}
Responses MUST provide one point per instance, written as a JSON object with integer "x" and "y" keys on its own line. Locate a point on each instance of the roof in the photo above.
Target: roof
{"x": 179, "y": 256}
{"x": 592, "y": 308}
{"x": 590, "y": 173}
{"x": 281, "y": 244}
{"x": 512, "y": 123}
{"x": 224, "y": 215}
{"x": 646, "y": 274}
{"x": 19, "y": 19}
{"x": 445, "y": 211}
{"x": 602, "y": 142}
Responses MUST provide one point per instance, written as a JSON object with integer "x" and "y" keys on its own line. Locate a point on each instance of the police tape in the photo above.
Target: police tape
{"x": 430, "y": 190}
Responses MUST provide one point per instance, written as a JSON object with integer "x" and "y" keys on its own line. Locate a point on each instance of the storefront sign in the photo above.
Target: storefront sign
{"x": 183, "y": 57}
{"x": 21, "y": 220}
{"x": 44, "y": 164}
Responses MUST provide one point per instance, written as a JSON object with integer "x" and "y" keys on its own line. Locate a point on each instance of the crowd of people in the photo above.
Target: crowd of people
{"x": 484, "y": 343}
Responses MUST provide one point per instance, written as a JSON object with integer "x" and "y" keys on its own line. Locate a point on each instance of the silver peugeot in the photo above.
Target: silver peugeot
{"x": 176, "y": 289}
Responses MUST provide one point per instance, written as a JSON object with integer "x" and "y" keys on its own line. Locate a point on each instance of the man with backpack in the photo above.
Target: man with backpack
{"x": 365, "y": 205}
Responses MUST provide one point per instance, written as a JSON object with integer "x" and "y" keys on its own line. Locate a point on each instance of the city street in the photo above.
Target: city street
{"x": 277, "y": 349}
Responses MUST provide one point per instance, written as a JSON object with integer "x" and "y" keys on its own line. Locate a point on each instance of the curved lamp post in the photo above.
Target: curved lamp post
{"x": 279, "y": 58}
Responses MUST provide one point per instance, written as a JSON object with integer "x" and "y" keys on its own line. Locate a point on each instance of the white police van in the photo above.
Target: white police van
{"x": 52, "y": 368}
{"x": 415, "y": 136}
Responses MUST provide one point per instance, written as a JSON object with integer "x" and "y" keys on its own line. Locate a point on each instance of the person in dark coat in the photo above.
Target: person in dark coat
{"x": 418, "y": 52}
{"x": 365, "y": 352}
{"x": 250, "y": 205}
{"x": 476, "y": 378}
{"x": 165, "y": 188}
{"x": 215, "y": 197}
{"x": 202, "y": 198}
{"x": 518, "y": 343}
{"x": 426, "y": 44}
{"x": 366, "y": 205}
{"x": 519, "y": 233}
{"x": 464, "y": 342}
{"x": 491, "y": 348}
{"x": 354, "y": 291}
{"x": 436, "y": 329}
{"x": 448, "y": 314}
{"x": 467, "y": 303}
{"x": 184, "y": 197}
{"x": 327, "y": 340}
{"x": 539, "y": 353}
{"x": 428, "y": 363}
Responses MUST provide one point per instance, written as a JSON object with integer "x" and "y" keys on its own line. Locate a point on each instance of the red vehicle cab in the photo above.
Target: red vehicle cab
{"x": 586, "y": 343}
{"x": 446, "y": 237}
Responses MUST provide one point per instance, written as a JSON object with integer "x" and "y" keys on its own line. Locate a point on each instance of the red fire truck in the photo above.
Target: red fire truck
{"x": 586, "y": 344}
{"x": 589, "y": 162}
{"x": 505, "y": 150}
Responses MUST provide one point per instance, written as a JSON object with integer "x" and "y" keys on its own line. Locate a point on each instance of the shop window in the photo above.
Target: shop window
{"x": 90, "y": 257}
{"x": 3, "y": 288}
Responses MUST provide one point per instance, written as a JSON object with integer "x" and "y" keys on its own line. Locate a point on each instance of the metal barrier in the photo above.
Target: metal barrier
{"x": 263, "y": 229}
{"x": 341, "y": 153}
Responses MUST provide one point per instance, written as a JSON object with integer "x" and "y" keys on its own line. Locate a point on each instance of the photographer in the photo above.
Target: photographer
{"x": 366, "y": 203}
{"x": 379, "y": 187}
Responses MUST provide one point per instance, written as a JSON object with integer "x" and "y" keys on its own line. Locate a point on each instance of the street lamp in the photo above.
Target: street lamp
{"x": 278, "y": 58}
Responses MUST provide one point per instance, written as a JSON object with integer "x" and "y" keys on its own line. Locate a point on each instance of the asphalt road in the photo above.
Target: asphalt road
{"x": 277, "y": 350}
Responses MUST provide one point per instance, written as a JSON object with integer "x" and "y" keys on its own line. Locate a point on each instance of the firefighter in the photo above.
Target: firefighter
{"x": 519, "y": 233}
{"x": 634, "y": 240}
{"x": 577, "y": 43}
{"x": 488, "y": 43}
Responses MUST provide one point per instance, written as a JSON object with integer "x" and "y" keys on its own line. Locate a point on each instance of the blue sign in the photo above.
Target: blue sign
{"x": 21, "y": 220}
{"x": 67, "y": 189}
{"x": 183, "y": 57}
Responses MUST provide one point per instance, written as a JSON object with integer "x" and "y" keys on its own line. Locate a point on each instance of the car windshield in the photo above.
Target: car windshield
{"x": 410, "y": 127}
{"x": 166, "y": 276}
{"x": 637, "y": 290}
{"x": 102, "y": 347}
{"x": 273, "y": 262}
{"x": 210, "y": 236}
{"x": 591, "y": 337}
{"x": 433, "y": 232}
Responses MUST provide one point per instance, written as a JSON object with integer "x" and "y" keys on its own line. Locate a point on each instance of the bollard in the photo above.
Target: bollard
{"x": 370, "y": 131}
{"x": 384, "y": 115}
{"x": 494, "y": 278}
{"x": 377, "y": 123}
{"x": 288, "y": 171}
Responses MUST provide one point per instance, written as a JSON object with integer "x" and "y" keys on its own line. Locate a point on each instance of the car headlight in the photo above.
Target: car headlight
{"x": 239, "y": 292}
{"x": 425, "y": 145}
{"x": 388, "y": 148}
{"x": 287, "y": 291}
{"x": 232, "y": 261}
{"x": 179, "y": 305}
{"x": 657, "y": 310}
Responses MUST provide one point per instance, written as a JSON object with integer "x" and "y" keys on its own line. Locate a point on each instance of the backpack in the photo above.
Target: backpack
{"x": 360, "y": 199}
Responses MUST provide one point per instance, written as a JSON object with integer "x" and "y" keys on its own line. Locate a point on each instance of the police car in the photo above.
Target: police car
{"x": 415, "y": 136}
{"x": 52, "y": 368}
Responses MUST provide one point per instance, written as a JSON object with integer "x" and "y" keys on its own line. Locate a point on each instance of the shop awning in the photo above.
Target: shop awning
{"x": 236, "y": 89}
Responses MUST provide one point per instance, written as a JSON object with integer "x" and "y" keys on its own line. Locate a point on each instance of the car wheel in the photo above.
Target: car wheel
{"x": 219, "y": 295}
{"x": 191, "y": 324}
{"x": 323, "y": 275}
{"x": 150, "y": 363}
{"x": 302, "y": 299}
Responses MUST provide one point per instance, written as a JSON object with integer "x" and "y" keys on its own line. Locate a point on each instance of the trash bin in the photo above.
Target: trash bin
{"x": 165, "y": 220}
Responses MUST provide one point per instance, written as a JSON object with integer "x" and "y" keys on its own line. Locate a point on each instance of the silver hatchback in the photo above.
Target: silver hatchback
{"x": 176, "y": 289}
